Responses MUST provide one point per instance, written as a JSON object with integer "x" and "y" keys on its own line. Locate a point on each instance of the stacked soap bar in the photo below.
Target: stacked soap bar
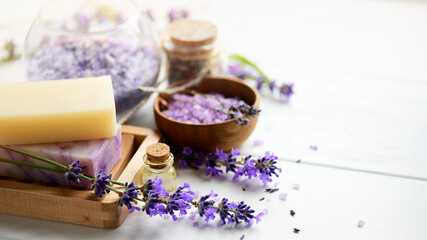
{"x": 94, "y": 154}
{"x": 62, "y": 120}
{"x": 57, "y": 111}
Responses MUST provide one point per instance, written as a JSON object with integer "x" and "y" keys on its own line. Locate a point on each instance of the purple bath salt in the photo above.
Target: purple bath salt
{"x": 99, "y": 154}
{"x": 128, "y": 64}
{"x": 201, "y": 108}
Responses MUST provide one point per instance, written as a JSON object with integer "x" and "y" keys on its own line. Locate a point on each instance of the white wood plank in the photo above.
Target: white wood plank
{"x": 361, "y": 123}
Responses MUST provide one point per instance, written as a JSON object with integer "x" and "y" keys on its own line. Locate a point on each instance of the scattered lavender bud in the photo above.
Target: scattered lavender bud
{"x": 242, "y": 237}
{"x": 292, "y": 213}
{"x": 271, "y": 190}
{"x": 262, "y": 199}
{"x": 258, "y": 143}
{"x": 313, "y": 147}
{"x": 283, "y": 196}
{"x": 296, "y": 230}
{"x": 298, "y": 161}
{"x": 361, "y": 223}
{"x": 265, "y": 211}
{"x": 192, "y": 216}
{"x": 195, "y": 224}
{"x": 295, "y": 186}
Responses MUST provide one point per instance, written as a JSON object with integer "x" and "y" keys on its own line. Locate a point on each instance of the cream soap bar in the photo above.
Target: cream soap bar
{"x": 94, "y": 154}
{"x": 57, "y": 111}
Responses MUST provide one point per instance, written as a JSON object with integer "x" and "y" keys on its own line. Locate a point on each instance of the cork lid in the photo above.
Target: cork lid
{"x": 191, "y": 32}
{"x": 158, "y": 153}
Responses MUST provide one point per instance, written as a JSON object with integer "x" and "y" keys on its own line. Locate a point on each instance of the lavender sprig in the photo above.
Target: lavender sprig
{"x": 262, "y": 167}
{"x": 156, "y": 200}
{"x": 243, "y": 68}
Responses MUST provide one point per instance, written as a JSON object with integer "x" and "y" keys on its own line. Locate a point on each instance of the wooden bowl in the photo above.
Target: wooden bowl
{"x": 224, "y": 135}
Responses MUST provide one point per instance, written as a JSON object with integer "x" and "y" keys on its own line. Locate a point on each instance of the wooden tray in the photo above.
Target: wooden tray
{"x": 77, "y": 205}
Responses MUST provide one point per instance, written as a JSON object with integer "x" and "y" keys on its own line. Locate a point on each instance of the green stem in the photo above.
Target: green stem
{"x": 246, "y": 61}
{"x": 111, "y": 181}
{"x": 87, "y": 177}
{"x": 32, "y": 165}
{"x": 34, "y": 156}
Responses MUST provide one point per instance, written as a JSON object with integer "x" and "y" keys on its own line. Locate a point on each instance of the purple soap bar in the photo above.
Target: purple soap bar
{"x": 94, "y": 154}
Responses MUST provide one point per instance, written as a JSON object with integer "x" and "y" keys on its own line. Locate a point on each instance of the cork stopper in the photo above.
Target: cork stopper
{"x": 158, "y": 153}
{"x": 191, "y": 32}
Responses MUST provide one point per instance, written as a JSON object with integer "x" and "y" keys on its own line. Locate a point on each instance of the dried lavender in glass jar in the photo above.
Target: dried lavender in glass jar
{"x": 95, "y": 38}
{"x": 192, "y": 48}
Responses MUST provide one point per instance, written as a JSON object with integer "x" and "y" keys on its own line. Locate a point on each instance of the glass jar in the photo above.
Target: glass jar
{"x": 164, "y": 170}
{"x": 192, "y": 49}
{"x": 85, "y": 38}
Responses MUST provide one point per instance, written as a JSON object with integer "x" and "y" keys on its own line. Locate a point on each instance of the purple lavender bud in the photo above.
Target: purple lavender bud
{"x": 101, "y": 183}
{"x": 150, "y": 15}
{"x": 286, "y": 90}
{"x": 221, "y": 155}
{"x": 259, "y": 82}
{"x": 176, "y": 13}
{"x": 127, "y": 196}
{"x": 71, "y": 175}
{"x": 182, "y": 163}
{"x": 187, "y": 150}
{"x": 235, "y": 152}
{"x": 272, "y": 86}
{"x": 234, "y": 68}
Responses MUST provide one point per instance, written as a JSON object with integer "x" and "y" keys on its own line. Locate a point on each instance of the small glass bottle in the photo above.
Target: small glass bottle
{"x": 159, "y": 162}
{"x": 192, "y": 49}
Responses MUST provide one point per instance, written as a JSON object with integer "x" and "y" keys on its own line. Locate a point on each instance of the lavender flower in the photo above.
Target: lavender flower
{"x": 244, "y": 212}
{"x": 242, "y": 68}
{"x": 127, "y": 196}
{"x": 176, "y": 13}
{"x": 100, "y": 183}
{"x": 150, "y": 14}
{"x": 263, "y": 167}
{"x": 187, "y": 151}
{"x": 154, "y": 185}
{"x": 225, "y": 211}
{"x": 204, "y": 204}
{"x": 286, "y": 90}
{"x": 180, "y": 201}
{"x": 73, "y": 171}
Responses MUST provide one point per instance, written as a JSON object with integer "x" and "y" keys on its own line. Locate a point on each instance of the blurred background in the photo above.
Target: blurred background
{"x": 381, "y": 38}
{"x": 359, "y": 69}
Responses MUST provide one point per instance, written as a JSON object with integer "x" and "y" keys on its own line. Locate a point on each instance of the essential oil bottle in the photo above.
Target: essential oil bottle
{"x": 159, "y": 162}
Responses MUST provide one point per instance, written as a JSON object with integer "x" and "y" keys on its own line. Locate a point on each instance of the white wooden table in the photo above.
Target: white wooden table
{"x": 360, "y": 76}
